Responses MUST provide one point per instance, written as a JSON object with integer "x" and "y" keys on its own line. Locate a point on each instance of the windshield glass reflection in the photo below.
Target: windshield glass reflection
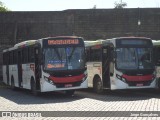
{"x": 134, "y": 58}
{"x": 64, "y": 58}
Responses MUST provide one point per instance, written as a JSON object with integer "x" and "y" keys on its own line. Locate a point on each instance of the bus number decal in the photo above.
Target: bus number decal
{"x": 55, "y": 66}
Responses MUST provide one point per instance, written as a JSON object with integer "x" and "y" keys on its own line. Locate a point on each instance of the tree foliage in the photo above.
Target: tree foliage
{"x": 2, "y": 7}
{"x": 120, "y": 5}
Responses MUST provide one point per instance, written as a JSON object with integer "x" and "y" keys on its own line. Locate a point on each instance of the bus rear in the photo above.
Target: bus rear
{"x": 134, "y": 66}
{"x": 64, "y": 65}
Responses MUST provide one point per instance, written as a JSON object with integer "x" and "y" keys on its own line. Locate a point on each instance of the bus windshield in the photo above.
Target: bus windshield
{"x": 66, "y": 58}
{"x": 134, "y": 58}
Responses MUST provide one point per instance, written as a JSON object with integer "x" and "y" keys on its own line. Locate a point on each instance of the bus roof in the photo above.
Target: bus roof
{"x": 92, "y": 43}
{"x": 32, "y": 42}
{"x": 156, "y": 43}
{"x": 131, "y": 37}
{"x": 61, "y": 37}
{"x": 96, "y": 42}
{"x": 25, "y": 43}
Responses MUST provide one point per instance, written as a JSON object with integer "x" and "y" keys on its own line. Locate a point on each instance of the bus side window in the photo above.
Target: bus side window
{"x": 31, "y": 54}
{"x": 23, "y": 56}
{"x": 95, "y": 54}
{"x": 3, "y": 62}
{"x": 26, "y": 55}
{"x": 87, "y": 54}
{"x": 112, "y": 54}
{"x": 5, "y": 58}
{"x": 11, "y": 57}
{"x": 14, "y": 57}
{"x": 157, "y": 56}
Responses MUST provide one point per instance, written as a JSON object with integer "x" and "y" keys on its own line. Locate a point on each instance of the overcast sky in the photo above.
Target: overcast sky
{"x": 58, "y": 5}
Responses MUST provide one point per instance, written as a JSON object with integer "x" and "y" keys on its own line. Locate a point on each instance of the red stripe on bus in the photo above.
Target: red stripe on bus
{"x": 67, "y": 79}
{"x": 138, "y": 78}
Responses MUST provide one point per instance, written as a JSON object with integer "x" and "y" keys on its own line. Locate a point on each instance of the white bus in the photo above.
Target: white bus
{"x": 156, "y": 51}
{"x": 120, "y": 63}
{"x": 47, "y": 64}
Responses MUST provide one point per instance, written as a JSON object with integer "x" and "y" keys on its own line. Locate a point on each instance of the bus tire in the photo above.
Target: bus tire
{"x": 97, "y": 85}
{"x": 12, "y": 83}
{"x": 69, "y": 92}
{"x": 33, "y": 87}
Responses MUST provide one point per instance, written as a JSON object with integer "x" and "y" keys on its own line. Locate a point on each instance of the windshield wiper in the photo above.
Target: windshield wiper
{"x": 59, "y": 57}
{"x": 71, "y": 53}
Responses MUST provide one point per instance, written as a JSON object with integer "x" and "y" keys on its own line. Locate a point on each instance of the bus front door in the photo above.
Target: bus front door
{"x": 106, "y": 66}
{"x": 37, "y": 67}
{"x": 7, "y": 69}
{"x": 20, "y": 68}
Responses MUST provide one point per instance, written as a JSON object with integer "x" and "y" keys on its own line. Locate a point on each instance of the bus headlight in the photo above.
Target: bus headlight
{"x": 85, "y": 77}
{"x": 153, "y": 76}
{"x": 118, "y": 76}
{"x": 48, "y": 80}
{"x": 121, "y": 78}
{"x": 45, "y": 78}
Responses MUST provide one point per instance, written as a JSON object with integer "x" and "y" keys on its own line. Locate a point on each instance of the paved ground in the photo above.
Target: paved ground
{"x": 84, "y": 104}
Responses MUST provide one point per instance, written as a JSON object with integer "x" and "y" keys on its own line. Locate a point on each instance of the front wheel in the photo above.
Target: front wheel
{"x": 97, "y": 85}
{"x": 33, "y": 88}
{"x": 158, "y": 84}
{"x": 13, "y": 84}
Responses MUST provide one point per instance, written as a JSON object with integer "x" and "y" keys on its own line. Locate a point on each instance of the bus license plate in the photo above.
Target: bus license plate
{"x": 68, "y": 85}
{"x": 139, "y": 85}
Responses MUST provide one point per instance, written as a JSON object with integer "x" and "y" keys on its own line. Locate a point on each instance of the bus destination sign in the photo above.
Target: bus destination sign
{"x": 63, "y": 42}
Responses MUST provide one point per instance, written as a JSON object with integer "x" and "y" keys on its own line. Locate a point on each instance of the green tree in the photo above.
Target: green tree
{"x": 2, "y": 7}
{"x": 120, "y": 5}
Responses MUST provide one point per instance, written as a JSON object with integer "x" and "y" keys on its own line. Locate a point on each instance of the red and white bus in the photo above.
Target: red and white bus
{"x": 156, "y": 55}
{"x": 47, "y": 64}
{"x": 120, "y": 63}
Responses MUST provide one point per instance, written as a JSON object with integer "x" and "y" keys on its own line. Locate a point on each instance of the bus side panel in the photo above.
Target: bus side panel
{"x": 10, "y": 74}
{"x": 24, "y": 75}
{"x": 4, "y": 74}
{"x": 93, "y": 68}
{"x": 158, "y": 72}
{"x": 14, "y": 74}
{"x": 28, "y": 72}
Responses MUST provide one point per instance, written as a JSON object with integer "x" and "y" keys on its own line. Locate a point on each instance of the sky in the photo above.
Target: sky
{"x": 59, "y": 5}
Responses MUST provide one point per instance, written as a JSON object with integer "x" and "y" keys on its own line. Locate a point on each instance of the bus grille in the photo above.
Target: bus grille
{"x": 135, "y": 83}
{"x": 62, "y": 85}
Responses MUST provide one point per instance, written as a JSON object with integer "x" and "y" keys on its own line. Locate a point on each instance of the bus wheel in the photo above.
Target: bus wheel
{"x": 12, "y": 84}
{"x": 33, "y": 88}
{"x": 97, "y": 85}
{"x": 69, "y": 92}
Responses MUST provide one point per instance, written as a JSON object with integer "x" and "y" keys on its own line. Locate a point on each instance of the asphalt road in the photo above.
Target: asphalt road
{"x": 85, "y": 104}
